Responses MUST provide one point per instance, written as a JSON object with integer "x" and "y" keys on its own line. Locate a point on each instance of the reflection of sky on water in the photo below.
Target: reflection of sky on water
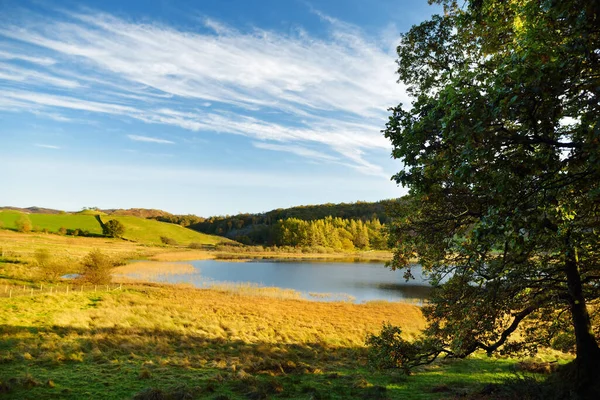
{"x": 363, "y": 281}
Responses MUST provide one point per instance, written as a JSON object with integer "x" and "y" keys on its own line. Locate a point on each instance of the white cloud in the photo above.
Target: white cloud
{"x": 36, "y": 60}
{"x": 298, "y": 150}
{"x": 147, "y": 139}
{"x": 47, "y": 146}
{"x": 293, "y": 89}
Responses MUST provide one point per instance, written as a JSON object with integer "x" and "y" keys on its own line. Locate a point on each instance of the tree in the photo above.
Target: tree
{"x": 501, "y": 154}
{"x": 113, "y": 228}
{"x": 49, "y": 268}
{"x": 23, "y": 224}
{"x": 96, "y": 268}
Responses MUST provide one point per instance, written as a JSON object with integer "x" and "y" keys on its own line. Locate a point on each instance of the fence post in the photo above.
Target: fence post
{"x": 31, "y": 292}
{"x": 10, "y": 294}
{"x": 67, "y": 289}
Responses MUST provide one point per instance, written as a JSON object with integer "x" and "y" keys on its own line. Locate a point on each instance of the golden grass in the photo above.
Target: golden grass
{"x": 156, "y": 321}
{"x": 151, "y": 271}
{"x": 154, "y": 267}
{"x": 183, "y": 255}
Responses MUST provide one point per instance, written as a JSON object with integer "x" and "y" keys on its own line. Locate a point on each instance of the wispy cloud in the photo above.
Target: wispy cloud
{"x": 148, "y": 139}
{"x": 47, "y": 146}
{"x": 293, "y": 92}
{"x": 298, "y": 150}
{"x": 16, "y": 56}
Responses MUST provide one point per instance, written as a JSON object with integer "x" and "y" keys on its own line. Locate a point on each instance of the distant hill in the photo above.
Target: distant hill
{"x": 258, "y": 228}
{"x": 32, "y": 210}
{"x": 84, "y": 223}
{"x": 136, "y": 212}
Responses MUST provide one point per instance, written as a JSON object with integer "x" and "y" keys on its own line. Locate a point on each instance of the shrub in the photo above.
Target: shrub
{"x": 390, "y": 350}
{"x": 198, "y": 246}
{"x": 96, "y": 268}
{"x": 168, "y": 240}
{"x": 113, "y": 228}
{"x": 23, "y": 224}
{"x": 49, "y": 269}
{"x": 62, "y": 230}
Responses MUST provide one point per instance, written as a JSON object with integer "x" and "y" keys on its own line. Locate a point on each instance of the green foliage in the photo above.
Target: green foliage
{"x": 501, "y": 148}
{"x": 96, "y": 268}
{"x": 333, "y": 233}
{"x": 259, "y": 229}
{"x": 23, "y": 223}
{"x": 113, "y": 228}
{"x": 389, "y": 350}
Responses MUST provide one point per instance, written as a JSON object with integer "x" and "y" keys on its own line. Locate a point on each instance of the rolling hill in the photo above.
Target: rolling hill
{"x": 137, "y": 229}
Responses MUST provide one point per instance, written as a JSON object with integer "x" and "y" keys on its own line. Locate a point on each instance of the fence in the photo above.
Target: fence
{"x": 9, "y": 291}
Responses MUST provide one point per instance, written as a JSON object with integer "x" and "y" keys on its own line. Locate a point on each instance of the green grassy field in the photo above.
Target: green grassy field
{"x": 53, "y": 222}
{"x": 140, "y": 230}
{"x": 150, "y": 231}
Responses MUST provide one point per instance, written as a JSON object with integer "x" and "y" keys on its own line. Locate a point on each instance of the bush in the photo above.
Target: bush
{"x": 96, "y": 268}
{"x": 168, "y": 240}
{"x": 23, "y": 224}
{"x": 113, "y": 228}
{"x": 390, "y": 350}
{"x": 62, "y": 230}
{"x": 48, "y": 268}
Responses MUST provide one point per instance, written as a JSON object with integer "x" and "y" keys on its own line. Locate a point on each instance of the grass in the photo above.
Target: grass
{"x": 137, "y": 229}
{"x": 149, "y": 231}
{"x": 212, "y": 342}
{"x": 226, "y": 342}
{"x": 53, "y": 222}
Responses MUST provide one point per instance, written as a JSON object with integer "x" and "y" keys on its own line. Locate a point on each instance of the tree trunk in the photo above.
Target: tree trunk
{"x": 587, "y": 363}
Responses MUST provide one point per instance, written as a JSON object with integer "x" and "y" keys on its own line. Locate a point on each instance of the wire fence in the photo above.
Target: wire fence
{"x": 10, "y": 291}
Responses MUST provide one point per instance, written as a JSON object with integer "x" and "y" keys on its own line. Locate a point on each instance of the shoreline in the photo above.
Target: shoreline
{"x": 191, "y": 255}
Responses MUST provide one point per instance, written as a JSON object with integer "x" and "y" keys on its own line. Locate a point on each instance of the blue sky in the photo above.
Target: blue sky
{"x": 203, "y": 107}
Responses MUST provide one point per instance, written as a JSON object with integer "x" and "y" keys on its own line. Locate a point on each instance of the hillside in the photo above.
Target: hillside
{"x": 266, "y": 228}
{"x": 53, "y": 222}
{"x": 136, "y": 229}
{"x": 150, "y": 231}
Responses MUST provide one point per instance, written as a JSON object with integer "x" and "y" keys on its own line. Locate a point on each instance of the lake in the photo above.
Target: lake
{"x": 362, "y": 281}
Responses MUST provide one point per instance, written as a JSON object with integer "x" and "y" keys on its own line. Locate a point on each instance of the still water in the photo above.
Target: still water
{"x": 362, "y": 281}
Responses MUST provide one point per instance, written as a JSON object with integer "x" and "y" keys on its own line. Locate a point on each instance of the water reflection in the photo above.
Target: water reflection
{"x": 361, "y": 281}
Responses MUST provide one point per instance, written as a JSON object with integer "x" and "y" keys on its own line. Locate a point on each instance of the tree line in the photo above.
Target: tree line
{"x": 338, "y": 226}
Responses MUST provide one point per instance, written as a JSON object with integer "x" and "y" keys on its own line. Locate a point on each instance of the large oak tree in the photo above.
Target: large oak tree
{"x": 501, "y": 152}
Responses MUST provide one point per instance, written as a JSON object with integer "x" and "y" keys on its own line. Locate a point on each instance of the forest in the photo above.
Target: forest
{"x": 344, "y": 226}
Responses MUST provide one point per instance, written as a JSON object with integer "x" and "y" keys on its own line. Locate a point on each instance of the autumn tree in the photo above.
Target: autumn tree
{"x": 501, "y": 154}
{"x": 96, "y": 268}
{"x": 23, "y": 223}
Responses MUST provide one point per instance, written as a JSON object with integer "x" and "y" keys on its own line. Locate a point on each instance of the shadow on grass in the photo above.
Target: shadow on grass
{"x": 120, "y": 362}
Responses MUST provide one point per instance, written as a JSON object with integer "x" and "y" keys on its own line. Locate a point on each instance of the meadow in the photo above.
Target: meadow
{"x": 151, "y": 341}
{"x": 140, "y": 230}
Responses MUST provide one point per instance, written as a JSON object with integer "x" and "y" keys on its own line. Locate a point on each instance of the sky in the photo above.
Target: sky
{"x": 201, "y": 107}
